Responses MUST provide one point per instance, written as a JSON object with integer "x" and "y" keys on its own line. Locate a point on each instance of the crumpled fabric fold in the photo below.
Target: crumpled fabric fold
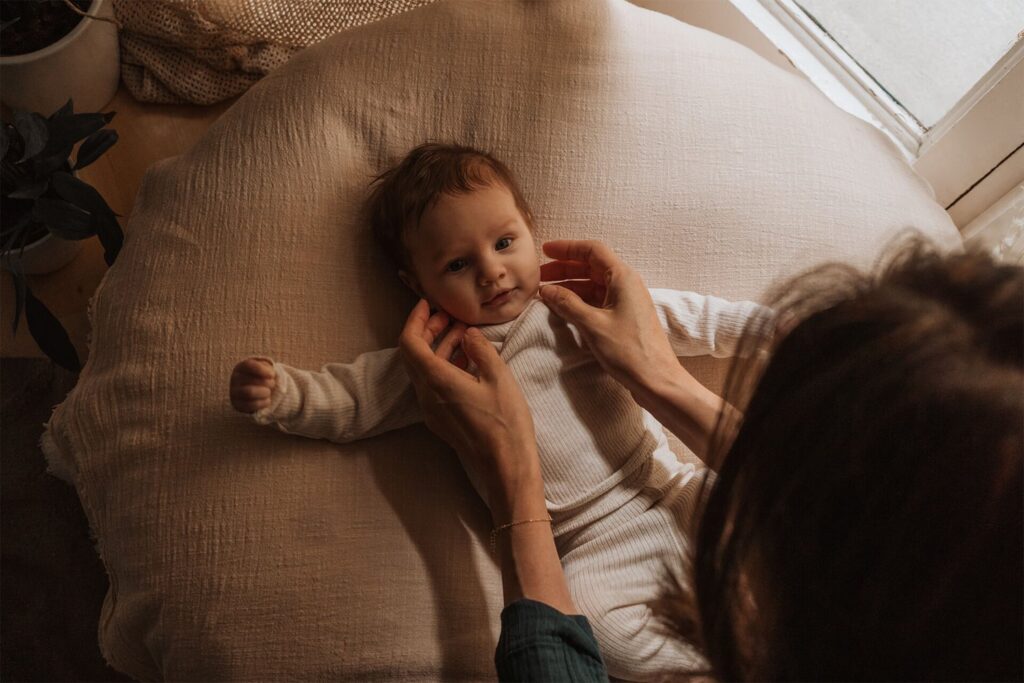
{"x": 203, "y": 52}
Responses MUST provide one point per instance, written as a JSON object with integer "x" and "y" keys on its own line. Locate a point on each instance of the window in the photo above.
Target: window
{"x": 943, "y": 78}
{"x": 926, "y": 55}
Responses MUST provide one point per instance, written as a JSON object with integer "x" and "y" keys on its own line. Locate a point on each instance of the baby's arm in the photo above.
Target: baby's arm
{"x": 342, "y": 402}
{"x": 699, "y": 325}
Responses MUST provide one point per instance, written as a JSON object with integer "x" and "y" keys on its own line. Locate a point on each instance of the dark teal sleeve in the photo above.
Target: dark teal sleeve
{"x": 539, "y": 643}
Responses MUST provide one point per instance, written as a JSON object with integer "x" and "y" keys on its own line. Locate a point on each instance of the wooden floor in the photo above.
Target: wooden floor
{"x": 146, "y": 133}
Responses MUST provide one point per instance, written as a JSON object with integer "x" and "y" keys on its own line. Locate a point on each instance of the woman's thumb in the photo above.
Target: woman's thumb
{"x": 565, "y": 303}
{"x": 480, "y": 351}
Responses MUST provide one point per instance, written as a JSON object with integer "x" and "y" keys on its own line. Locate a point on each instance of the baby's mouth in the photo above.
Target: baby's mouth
{"x": 500, "y": 298}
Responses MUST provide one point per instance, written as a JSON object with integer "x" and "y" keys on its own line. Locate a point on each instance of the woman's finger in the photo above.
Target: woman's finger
{"x": 425, "y": 369}
{"x": 483, "y": 354}
{"x": 588, "y": 290}
{"x": 564, "y": 270}
{"x": 451, "y": 341}
{"x": 569, "y": 306}
{"x": 415, "y": 339}
{"x": 436, "y": 324}
{"x": 596, "y": 254}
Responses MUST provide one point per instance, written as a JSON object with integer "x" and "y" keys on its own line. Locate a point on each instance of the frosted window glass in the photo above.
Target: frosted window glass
{"x": 925, "y": 53}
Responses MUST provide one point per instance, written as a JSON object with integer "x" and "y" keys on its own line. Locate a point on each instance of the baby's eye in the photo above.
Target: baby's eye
{"x": 503, "y": 243}
{"x": 456, "y": 265}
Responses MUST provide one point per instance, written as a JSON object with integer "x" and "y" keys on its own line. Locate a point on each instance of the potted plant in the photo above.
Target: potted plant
{"x": 45, "y": 205}
{"x": 55, "y": 50}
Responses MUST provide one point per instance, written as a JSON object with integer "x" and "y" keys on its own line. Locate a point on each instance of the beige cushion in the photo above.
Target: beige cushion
{"x": 239, "y": 551}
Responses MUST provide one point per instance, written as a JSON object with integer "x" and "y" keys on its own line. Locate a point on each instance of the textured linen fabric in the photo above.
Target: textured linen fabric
{"x": 249, "y": 554}
{"x": 603, "y": 458}
{"x": 198, "y": 51}
{"x": 539, "y": 643}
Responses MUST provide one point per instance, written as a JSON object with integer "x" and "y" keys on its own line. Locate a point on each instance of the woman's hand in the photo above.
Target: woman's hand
{"x": 610, "y": 305}
{"x": 484, "y": 418}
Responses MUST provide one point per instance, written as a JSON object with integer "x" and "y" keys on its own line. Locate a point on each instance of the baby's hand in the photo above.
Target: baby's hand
{"x": 252, "y": 382}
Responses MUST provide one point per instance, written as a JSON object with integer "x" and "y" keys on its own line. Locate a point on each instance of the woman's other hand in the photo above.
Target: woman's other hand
{"x": 485, "y": 418}
{"x": 610, "y": 305}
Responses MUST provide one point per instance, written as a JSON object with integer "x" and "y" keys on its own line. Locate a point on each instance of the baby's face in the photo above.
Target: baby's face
{"x": 473, "y": 256}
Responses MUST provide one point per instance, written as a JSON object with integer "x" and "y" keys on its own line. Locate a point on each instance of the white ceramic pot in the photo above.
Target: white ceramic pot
{"x": 84, "y": 65}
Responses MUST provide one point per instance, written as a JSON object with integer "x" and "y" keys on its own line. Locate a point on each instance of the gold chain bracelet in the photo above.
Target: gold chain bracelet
{"x": 494, "y": 531}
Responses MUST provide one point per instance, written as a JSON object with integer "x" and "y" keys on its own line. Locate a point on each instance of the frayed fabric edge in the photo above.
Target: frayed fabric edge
{"x": 56, "y": 464}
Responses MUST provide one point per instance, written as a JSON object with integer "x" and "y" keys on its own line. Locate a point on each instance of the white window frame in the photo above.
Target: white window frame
{"x": 981, "y": 132}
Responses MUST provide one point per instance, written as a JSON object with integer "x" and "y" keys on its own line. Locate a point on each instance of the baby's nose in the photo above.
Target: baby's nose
{"x": 491, "y": 272}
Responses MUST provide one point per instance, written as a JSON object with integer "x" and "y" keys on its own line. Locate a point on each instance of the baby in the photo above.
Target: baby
{"x": 461, "y": 233}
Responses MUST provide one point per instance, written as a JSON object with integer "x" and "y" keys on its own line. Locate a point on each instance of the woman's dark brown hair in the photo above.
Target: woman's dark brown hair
{"x": 867, "y": 522}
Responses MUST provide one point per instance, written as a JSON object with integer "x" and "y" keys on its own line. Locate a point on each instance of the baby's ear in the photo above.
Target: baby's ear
{"x": 410, "y": 282}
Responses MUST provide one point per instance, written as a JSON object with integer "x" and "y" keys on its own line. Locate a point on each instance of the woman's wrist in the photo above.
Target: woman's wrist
{"x": 517, "y": 491}
{"x": 530, "y": 567}
{"x": 526, "y": 552}
{"x": 680, "y": 402}
{"x": 518, "y": 497}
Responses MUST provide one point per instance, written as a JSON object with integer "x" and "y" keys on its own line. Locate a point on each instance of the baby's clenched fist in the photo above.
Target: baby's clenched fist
{"x": 252, "y": 382}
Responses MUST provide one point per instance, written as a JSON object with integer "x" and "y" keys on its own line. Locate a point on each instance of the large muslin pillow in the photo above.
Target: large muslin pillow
{"x": 236, "y": 551}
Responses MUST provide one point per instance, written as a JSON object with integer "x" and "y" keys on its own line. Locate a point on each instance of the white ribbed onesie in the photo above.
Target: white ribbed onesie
{"x": 618, "y": 497}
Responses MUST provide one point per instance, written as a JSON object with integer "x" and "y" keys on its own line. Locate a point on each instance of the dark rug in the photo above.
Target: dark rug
{"x": 52, "y": 583}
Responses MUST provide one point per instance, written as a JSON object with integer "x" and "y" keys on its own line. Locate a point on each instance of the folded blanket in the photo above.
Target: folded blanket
{"x": 175, "y": 51}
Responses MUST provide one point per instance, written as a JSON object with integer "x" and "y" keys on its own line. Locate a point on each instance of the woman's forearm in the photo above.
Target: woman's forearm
{"x": 527, "y": 556}
{"x": 530, "y": 567}
{"x": 683, "y": 405}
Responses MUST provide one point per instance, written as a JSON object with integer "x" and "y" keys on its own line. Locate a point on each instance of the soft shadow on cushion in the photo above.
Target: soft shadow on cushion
{"x": 240, "y": 552}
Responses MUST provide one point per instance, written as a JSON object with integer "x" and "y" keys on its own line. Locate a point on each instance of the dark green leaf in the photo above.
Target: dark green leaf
{"x": 66, "y": 131}
{"x": 12, "y": 175}
{"x": 31, "y": 234}
{"x": 50, "y": 334}
{"x": 45, "y": 164}
{"x": 104, "y": 220}
{"x": 66, "y": 110}
{"x": 110, "y": 234}
{"x": 16, "y": 215}
{"x": 94, "y": 146}
{"x": 30, "y": 191}
{"x": 19, "y": 293}
{"x": 10, "y": 239}
{"x": 63, "y": 218}
{"x": 8, "y": 23}
{"x": 32, "y": 128}
{"x": 79, "y": 193}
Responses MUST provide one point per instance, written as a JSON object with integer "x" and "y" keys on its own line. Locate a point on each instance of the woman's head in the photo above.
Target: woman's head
{"x": 866, "y": 522}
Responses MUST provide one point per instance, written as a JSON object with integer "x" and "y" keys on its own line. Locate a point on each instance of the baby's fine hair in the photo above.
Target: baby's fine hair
{"x": 400, "y": 195}
{"x": 866, "y": 522}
